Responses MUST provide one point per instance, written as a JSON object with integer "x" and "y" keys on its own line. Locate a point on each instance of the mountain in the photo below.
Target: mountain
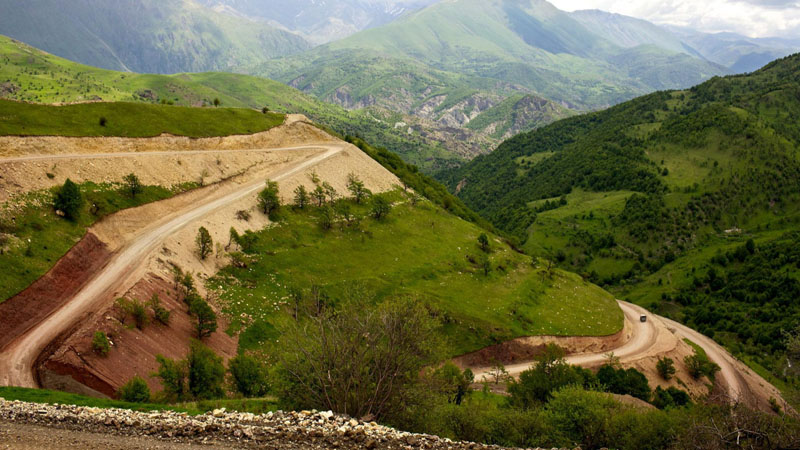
{"x": 686, "y": 201}
{"x": 146, "y": 36}
{"x": 320, "y": 22}
{"x": 741, "y": 54}
{"x": 527, "y": 47}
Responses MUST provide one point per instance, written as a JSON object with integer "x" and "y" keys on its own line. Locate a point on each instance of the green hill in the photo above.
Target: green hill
{"x": 30, "y": 75}
{"x": 657, "y": 199}
{"x": 152, "y": 36}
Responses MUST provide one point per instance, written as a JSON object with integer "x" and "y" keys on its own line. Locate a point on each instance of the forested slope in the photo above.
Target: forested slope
{"x": 674, "y": 200}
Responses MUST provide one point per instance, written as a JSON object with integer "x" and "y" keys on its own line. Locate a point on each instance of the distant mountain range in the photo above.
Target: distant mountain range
{"x": 458, "y": 74}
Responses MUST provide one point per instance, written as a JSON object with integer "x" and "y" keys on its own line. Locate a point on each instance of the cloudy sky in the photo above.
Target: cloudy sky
{"x": 755, "y": 18}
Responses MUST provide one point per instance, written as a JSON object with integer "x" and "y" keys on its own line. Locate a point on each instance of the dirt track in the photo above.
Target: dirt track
{"x": 17, "y": 359}
{"x": 658, "y": 336}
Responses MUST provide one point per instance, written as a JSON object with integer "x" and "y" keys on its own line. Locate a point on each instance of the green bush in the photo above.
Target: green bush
{"x": 100, "y": 343}
{"x": 248, "y": 376}
{"x": 160, "y": 313}
{"x": 206, "y": 317}
{"x": 135, "y": 391}
{"x": 139, "y": 313}
{"x": 381, "y": 207}
{"x": 206, "y": 372}
{"x": 69, "y": 200}
{"x": 550, "y": 373}
{"x": 665, "y": 367}
{"x": 624, "y": 382}
{"x": 173, "y": 375}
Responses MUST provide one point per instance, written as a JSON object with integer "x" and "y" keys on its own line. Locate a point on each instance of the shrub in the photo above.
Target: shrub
{"x": 69, "y": 200}
{"x": 103, "y": 121}
{"x": 624, "y": 382}
{"x": 206, "y": 372}
{"x": 132, "y": 184}
{"x": 550, "y": 373}
{"x": 135, "y": 391}
{"x": 699, "y": 365}
{"x": 381, "y": 207}
{"x": 139, "y": 313}
{"x": 160, "y": 313}
{"x": 665, "y": 368}
{"x": 357, "y": 188}
{"x": 268, "y": 199}
{"x": 173, "y": 375}
{"x": 248, "y": 376}
{"x": 100, "y": 343}
{"x": 483, "y": 242}
{"x": 300, "y": 197}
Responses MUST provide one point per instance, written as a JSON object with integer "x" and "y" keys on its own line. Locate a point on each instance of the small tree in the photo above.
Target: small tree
{"x": 135, "y": 391}
{"x": 173, "y": 375}
{"x": 356, "y": 188}
{"x": 264, "y": 110}
{"x": 666, "y": 367}
{"x": 483, "y": 242}
{"x": 327, "y": 218}
{"x": 132, "y": 184}
{"x": 100, "y": 343}
{"x": 160, "y": 313}
{"x": 139, "y": 313}
{"x": 103, "y": 121}
{"x": 381, "y": 207}
{"x": 330, "y": 191}
{"x": 206, "y": 372}
{"x": 318, "y": 194}
{"x": 300, "y": 197}
{"x": 217, "y": 102}
{"x": 248, "y": 376}
{"x": 69, "y": 200}
{"x": 205, "y": 245}
{"x": 206, "y": 317}
{"x": 268, "y": 199}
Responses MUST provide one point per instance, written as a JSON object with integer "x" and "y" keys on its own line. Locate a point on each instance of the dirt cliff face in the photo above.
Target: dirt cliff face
{"x": 132, "y": 350}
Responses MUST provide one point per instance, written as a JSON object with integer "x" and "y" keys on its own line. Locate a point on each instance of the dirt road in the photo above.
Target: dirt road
{"x": 648, "y": 339}
{"x": 18, "y": 358}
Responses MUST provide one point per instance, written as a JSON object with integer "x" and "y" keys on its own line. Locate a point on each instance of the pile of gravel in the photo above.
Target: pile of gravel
{"x": 285, "y": 430}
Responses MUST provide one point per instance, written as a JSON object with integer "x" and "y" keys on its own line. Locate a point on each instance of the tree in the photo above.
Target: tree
{"x": 381, "y": 207}
{"x": 103, "y": 121}
{"x": 318, "y": 194}
{"x": 624, "y": 382}
{"x": 300, "y": 197}
{"x": 483, "y": 242}
{"x": 357, "y": 188}
{"x": 132, "y": 184}
{"x": 69, "y": 200}
{"x": 160, "y": 313}
{"x": 327, "y": 218}
{"x": 248, "y": 376}
{"x": 330, "y": 191}
{"x": 666, "y": 367}
{"x": 269, "y": 199}
{"x": 453, "y": 382}
{"x": 699, "y": 365}
{"x": 173, "y": 375}
{"x": 205, "y": 316}
{"x": 264, "y": 110}
{"x": 549, "y": 373}
{"x": 357, "y": 360}
{"x": 206, "y": 372}
{"x": 205, "y": 245}
{"x": 217, "y": 102}
{"x": 135, "y": 390}
{"x": 100, "y": 343}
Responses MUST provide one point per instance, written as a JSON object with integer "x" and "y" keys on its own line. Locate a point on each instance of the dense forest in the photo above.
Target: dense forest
{"x": 685, "y": 201}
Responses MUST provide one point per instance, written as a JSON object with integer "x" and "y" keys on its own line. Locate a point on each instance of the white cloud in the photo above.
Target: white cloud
{"x": 755, "y": 18}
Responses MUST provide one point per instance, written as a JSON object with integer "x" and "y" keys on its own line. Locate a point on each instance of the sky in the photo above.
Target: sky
{"x": 754, "y": 18}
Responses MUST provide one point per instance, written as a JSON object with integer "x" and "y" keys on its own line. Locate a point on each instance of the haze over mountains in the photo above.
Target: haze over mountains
{"x": 463, "y": 74}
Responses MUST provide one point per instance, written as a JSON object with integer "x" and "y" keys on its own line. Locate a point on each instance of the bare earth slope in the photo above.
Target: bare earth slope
{"x": 147, "y": 241}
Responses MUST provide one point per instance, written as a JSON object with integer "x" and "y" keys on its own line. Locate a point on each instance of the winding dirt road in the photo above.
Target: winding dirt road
{"x": 18, "y": 358}
{"x": 648, "y": 338}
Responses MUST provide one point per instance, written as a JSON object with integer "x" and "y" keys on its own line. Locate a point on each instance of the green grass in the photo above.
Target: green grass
{"x": 420, "y": 251}
{"x": 130, "y": 120}
{"x": 37, "y": 238}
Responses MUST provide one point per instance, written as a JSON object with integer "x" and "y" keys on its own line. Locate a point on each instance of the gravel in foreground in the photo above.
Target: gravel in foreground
{"x": 279, "y": 430}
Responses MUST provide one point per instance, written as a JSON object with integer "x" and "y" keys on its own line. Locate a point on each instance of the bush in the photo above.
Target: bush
{"x": 670, "y": 398}
{"x": 381, "y": 207}
{"x": 269, "y": 200}
{"x": 624, "y": 382}
{"x": 205, "y": 245}
{"x": 300, "y": 197}
{"x": 357, "y": 188}
{"x": 160, "y": 313}
{"x": 135, "y": 391}
{"x": 206, "y": 372}
{"x": 133, "y": 185}
{"x": 550, "y": 373}
{"x": 69, "y": 200}
{"x": 665, "y": 368}
{"x": 248, "y": 376}
{"x": 582, "y": 416}
{"x": 139, "y": 313}
{"x": 173, "y": 375}
{"x": 103, "y": 121}
{"x": 100, "y": 343}
{"x": 483, "y": 242}
{"x": 699, "y": 365}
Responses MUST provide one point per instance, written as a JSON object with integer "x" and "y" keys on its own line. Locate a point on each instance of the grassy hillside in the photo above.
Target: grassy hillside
{"x": 30, "y": 75}
{"x": 658, "y": 198}
{"x": 419, "y": 250}
{"x": 152, "y": 36}
{"x": 130, "y": 120}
